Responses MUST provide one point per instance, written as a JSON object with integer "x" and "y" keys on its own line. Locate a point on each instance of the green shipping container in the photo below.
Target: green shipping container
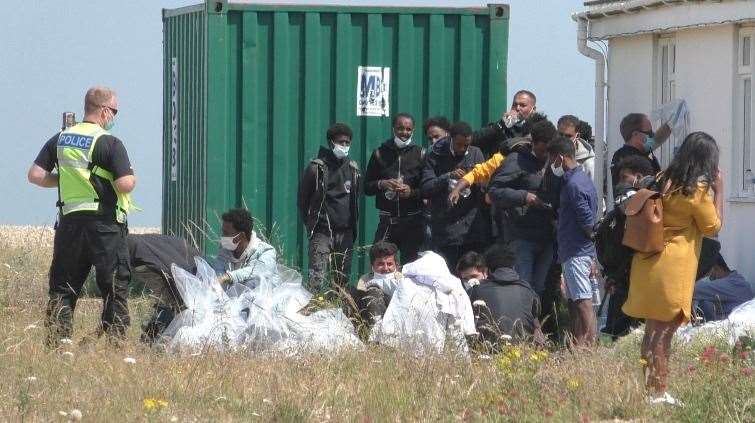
{"x": 250, "y": 90}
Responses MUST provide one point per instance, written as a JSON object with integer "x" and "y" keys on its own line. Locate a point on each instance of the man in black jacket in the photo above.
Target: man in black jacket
{"x": 393, "y": 176}
{"x": 328, "y": 205}
{"x": 502, "y": 303}
{"x": 639, "y": 140}
{"x": 511, "y": 125}
{"x": 465, "y": 226}
{"x": 516, "y": 188}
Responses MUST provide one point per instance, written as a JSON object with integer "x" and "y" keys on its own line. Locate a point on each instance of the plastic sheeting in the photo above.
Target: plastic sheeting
{"x": 265, "y": 317}
{"x": 741, "y": 321}
{"x": 428, "y": 308}
{"x": 675, "y": 114}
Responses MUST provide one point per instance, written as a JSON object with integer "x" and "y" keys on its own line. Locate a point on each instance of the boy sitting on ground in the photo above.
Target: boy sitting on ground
{"x": 372, "y": 292}
{"x": 471, "y": 269}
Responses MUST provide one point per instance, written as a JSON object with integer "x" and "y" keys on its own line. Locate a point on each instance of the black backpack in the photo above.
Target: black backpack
{"x": 611, "y": 253}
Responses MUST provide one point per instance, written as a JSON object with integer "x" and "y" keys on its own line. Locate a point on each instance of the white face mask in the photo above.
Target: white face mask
{"x": 401, "y": 144}
{"x": 558, "y": 171}
{"x": 340, "y": 151}
{"x": 377, "y": 275}
{"x": 473, "y": 282}
{"x": 226, "y": 243}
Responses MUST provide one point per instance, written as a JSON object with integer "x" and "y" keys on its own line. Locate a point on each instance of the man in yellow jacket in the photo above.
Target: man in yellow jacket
{"x": 94, "y": 179}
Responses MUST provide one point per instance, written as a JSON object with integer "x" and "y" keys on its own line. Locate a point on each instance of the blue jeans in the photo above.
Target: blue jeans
{"x": 533, "y": 259}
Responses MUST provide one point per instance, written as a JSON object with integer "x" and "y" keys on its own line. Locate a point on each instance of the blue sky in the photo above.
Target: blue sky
{"x": 52, "y": 51}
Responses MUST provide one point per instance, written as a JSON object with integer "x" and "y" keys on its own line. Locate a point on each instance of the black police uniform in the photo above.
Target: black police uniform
{"x": 90, "y": 238}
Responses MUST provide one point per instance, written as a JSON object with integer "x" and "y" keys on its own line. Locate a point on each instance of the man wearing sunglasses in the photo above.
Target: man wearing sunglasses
{"x": 94, "y": 180}
{"x": 639, "y": 140}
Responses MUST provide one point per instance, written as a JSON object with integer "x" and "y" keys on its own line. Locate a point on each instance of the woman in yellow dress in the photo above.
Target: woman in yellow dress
{"x": 661, "y": 285}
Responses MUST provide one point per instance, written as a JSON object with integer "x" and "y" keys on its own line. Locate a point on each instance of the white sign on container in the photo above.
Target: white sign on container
{"x": 373, "y": 88}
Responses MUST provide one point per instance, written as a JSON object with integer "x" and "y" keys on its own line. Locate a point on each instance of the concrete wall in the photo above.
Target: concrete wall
{"x": 705, "y": 66}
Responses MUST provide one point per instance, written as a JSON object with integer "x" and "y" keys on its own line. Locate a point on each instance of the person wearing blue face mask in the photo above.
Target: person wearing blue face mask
{"x": 639, "y": 140}
{"x": 328, "y": 203}
{"x": 94, "y": 180}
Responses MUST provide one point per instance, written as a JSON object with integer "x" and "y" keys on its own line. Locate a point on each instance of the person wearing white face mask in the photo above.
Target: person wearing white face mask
{"x": 464, "y": 226}
{"x": 328, "y": 203}
{"x": 393, "y": 176}
{"x": 243, "y": 258}
{"x": 577, "y": 212}
{"x": 372, "y": 292}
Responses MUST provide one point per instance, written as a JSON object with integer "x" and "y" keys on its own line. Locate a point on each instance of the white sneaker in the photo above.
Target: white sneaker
{"x": 666, "y": 398}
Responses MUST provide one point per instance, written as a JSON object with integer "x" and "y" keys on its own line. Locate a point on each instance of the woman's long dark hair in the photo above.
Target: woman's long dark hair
{"x": 695, "y": 162}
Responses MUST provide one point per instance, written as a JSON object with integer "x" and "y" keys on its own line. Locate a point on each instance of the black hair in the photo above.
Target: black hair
{"x": 585, "y": 130}
{"x": 695, "y": 162}
{"x": 499, "y": 256}
{"x": 529, "y": 94}
{"x": 402, "y": 115}
{"x": 382, "y": 249}
{"x": 339, "y": 129}
{"x": 439, "y": 121}
{"x": 636, "y": 164}
{"x": 531, "y": 120}
{"x": 720, "y": 262}
{"x": 460, "y": 128}
{"x": 631, "y": 123}
{"x": 241, "y": 220}
{"x": 709, "y": 253}
{"x": 471, "y": 259}
{"x": 561, "y": 146}
{"x": 570, "y": 120}
{"x": 543, "y": 131}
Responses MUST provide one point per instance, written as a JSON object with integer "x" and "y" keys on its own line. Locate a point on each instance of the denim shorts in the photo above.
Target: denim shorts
{"x": 577, "y": 277}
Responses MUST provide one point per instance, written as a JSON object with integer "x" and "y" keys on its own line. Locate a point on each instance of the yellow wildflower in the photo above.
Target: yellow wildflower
{"x": 572, "y": 384}
{"x": 643, "y": 362}
{"x": 514, "y": 353}
{"x": 503, "y": 363}
{"x": 152, "y": 404}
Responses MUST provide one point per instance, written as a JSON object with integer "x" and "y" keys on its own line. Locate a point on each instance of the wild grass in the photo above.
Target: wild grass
{"x": 96, "y": 383}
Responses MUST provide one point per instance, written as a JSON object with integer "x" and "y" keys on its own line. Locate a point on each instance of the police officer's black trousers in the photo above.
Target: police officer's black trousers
{"x": 80, "y": 243}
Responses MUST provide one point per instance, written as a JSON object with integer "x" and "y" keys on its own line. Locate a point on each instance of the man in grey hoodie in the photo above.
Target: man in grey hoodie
{"x": 568, "y": 126}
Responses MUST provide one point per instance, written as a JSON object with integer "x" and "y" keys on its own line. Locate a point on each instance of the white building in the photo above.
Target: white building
{"x": 700, "y": 51}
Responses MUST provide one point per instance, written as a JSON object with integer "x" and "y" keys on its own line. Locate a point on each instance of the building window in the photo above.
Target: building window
{"x": 665, "y": 77}
{"x": 743, "y": 151}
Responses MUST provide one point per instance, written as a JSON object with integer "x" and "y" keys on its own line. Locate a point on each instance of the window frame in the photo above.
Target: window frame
{"x": 665, "y": 87}
{"x": 743, "y": 154}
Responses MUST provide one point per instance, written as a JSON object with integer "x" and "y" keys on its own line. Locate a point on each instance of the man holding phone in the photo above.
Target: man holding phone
{"x": 515, "y": 190}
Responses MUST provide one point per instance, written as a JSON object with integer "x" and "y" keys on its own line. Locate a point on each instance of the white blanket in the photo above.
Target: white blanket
{"x": 428, "y": 306}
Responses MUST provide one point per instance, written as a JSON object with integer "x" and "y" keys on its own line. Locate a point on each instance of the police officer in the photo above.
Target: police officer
{"x": 329, "y": 206}
{"x": 94, "y": 180}
{"x": 394, "y": 175}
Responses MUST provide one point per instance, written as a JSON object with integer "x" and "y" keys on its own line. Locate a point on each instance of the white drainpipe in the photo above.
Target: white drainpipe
{"x": 601, "y": 144}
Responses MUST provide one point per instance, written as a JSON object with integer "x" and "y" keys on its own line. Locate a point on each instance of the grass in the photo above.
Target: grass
{"x": 377, "y": 384}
